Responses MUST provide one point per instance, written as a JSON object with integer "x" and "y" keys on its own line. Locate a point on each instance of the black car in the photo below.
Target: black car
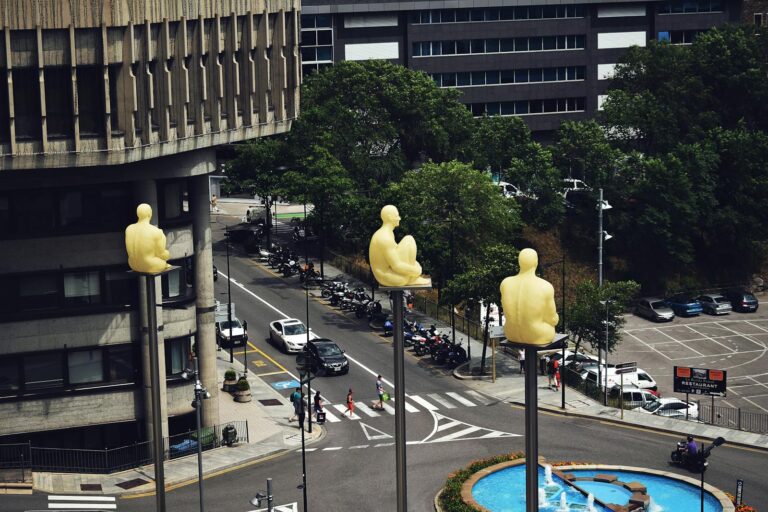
{"x": 741, "y": 300}
{"x": 323, "y": 357}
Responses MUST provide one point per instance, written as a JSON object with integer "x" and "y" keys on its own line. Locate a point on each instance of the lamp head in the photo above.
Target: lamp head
{"x": 607, "y": 236}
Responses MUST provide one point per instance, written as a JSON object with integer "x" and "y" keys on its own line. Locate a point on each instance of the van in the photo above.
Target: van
{"x": 637, "y": 397}
{"x": 640, "y": 379}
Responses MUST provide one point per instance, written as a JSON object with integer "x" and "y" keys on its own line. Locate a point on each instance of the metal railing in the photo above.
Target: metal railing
{"x": 736, "y": 418}
{"x": 110, "y": 460}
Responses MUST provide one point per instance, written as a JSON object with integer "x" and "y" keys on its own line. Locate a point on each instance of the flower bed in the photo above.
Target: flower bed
{"x": 450, "y": 498}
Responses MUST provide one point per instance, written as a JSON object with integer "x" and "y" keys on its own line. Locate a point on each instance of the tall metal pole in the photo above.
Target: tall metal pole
{"x": 303, "y": 458}
{"x": 269, "y": 222}
{"x": 198, "y": 407}
{"x": 531, "y": 432}
{"x": 269, "y": 495}
{"x": 229, "y": 298}
{"x": 400, "y": 462}
{"x": 562, "y": 401}
{"x": 306, "y": 295}
{"x": 453, "y": 308}
{"x": 599, "y": 363}
{"x": 157, "y": 421}
{"x": 600, "y": 236}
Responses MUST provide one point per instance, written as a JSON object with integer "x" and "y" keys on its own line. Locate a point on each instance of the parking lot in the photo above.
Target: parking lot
{"x": 737, "y": 343}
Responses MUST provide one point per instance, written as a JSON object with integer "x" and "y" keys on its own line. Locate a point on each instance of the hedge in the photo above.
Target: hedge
{"x": 450, "y": 499}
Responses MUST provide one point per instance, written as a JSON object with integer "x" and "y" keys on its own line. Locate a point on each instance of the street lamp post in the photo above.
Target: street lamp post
{"x": 306, "y": 297}
{"x": 601, "y": 235}
{"x": 303, "y": 445}
{"x": 703, "y": 464}
{"x": 229, "y": 296}
{"x": 256, "y": 500}
{"x": 200, "y": 394}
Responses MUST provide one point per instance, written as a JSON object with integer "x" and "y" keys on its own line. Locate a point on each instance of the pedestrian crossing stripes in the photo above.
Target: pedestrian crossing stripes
{"x": 448, "y": 429}
{"x": 429, "y": 402}
{"x": 97, "y": 503}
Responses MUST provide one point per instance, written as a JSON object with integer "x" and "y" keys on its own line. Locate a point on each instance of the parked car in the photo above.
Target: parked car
{"x": 637, "y": 397}
{"x": 324, "y": 357}
{"x": 575, "y": 360}
{"x": 684, "y": 305}
{"x": 639, "y": 379}
{"x": 574, "y": 185}
{"x": 741, "y": 300}
{"x": 654, "y": 309}
{"x": 510, "y": 190}
{"x": 671, "y": 408}
{"x": 715, "y": 304}
{"x": 231, "y": 334}
{"x": 290, "y": 334}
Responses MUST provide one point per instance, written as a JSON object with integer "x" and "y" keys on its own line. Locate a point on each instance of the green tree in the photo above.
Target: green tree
{"x": 582, "y": 151}
{"x": 497, "y": 140}
{"x": 534, "y": 173}
{"x": 258, "y": 166}
{"x": 452, "y": 204}
{"x": 481, "y": 282}
{"x": 587, "y": 315}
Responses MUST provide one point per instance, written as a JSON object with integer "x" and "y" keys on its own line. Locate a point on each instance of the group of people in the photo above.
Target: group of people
{"x": 299, "y": 405}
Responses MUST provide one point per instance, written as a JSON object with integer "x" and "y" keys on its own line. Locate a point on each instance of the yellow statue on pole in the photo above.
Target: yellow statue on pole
{"x": 529, "y": 304}
{"x": 145, "y": 244}
{"x": 394, "y": 264}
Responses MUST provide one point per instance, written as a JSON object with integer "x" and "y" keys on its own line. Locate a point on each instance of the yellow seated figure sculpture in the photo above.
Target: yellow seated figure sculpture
{"x": 145, "y": 244}
{"x": 529, "y": 304}
{"x": 394, "y": 264}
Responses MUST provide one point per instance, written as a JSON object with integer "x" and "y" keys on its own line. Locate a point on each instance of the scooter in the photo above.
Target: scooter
{"x": 679, "y": 457}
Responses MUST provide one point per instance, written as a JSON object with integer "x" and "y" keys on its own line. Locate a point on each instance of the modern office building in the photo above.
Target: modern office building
{"x": 105, "y": 105}
{"x": 548, "y": 61}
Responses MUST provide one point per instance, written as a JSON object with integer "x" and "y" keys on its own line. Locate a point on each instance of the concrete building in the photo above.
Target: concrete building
{"x": 105, "y": 105}
{"x": 548, "y": 61}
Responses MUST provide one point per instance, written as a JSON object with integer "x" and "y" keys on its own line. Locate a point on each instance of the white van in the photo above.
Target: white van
{"x": 637, "y": 397}
{"x": 640, "y": 379}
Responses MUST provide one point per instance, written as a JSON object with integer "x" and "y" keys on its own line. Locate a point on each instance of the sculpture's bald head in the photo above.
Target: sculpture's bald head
{"x": 528, "y": 260}
{"x": 144, "y": 211}
{"x": 390, "y": 215}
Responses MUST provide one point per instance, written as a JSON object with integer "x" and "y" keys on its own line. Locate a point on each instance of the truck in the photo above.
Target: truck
{"x": 229, "y": 335}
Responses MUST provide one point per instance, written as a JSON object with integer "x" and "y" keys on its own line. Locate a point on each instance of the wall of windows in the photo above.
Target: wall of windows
{"x": 527, "y": 107}
{"x": 498, "y": 45}
{"x": 66, "y": 211}
{"x": 178, "y": 285}
{"x": 316, "y": 42}
{"x": 178, "y": 355}
{"x": 61, "y": 293}
{"x": 509, "y": 76}
{"x": 526, "y": 12}
{"x": 64, "y": 370}
{"x": 680, "y": 36}
{"x": 690, "y": 6}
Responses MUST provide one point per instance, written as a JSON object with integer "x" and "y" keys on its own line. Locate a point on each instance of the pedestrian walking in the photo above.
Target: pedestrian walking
{"x": 550, "y": 370}
{"x": 214, "y": 203}
{"x": 557, "y": 376}
{"x": 317, "y": 403}
{"x": 350, "y": 404}
{"x": 380, "y": 393}
{"x": 295, "y": 400}
{"x": 300, "y": 409}
{"x": 521, "y": 358}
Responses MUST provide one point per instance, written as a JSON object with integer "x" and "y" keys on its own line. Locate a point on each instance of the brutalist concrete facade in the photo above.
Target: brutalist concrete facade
{"x": 105, "y": 105}
{"x": 601, "y": 32}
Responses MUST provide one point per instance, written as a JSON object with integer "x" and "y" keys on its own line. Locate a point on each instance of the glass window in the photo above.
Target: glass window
{"x": 535, "y": 106}
{"x": 82, "y": 288}
{"x": 449, "y": 47}
{"x": 550, "y": 105}
{"x": 462, "y": 47}
{"x": 448, "y": 16}
{"x": 121, "y": 368}
{"x": 34, "y": 212}
{"x": 38, "y": 292}
{"x": 521, "y": 44}
{"x": 324, "y": 37}
{"x": 478, "y": 78}
{"x": 71, "y": 208}
{"x": 307, "y": 21}
{"x": 449, "y": 79}
{"x": 493, "y": 109}
{"x": 549, "y": 11}
{"x": 308, "y": 37}
{"x": 90, "y": 91}
{"x": 462, "y": 15}
{"x": 175, "y": 200}
{"x": 550, "y": 74}
{"x": 507, "y": 13}
{"x": 477, "y": 15}
{"x": 535, "y": 12}
{"x": 85, "y": 366}
{"x": 491, "y": 15}
{"x": 521, "y": 13}
{"x": 177, "y": 355}
{"x": 308, "y": 54}
{"x": 549, "y": 42}
{"x": 43, "y": 371}
{"x": 492, "y": 77}
{"x": 425, "y": 17}
{"x": 323, "y": 20}
{"x": 462, "y": 79}
{"x": 507, "y": 108}
{"x": 507, "y": 76}
{"x": 9, "y": 376}
{"x": 5, "y": 215}
{"x": 521, "y": 76}
{"x": 26, "y": 100}
{"x": 58, "y": 102}
{"x": 521, "y": 107}
{"x": 716, "y": 5}
{"x": 491, "y": 45}
{"x": 325, "y": 53}
{"x": 478, "y": 46}
{"x": 535, "y": 75}
{"x": 120, "y": 288}
{"x": 507, "y": 45}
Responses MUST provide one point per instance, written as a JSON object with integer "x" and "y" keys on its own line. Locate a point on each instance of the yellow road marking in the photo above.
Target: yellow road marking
{"x": 267, "y": 374}
{"x": 210, "y": 475}
{"x": 257, "y": 349}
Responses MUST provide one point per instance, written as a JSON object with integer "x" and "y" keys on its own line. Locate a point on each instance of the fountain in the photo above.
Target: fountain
{"x": 591, "y": 503}
{"x": 563, "y": 503}
{"x": 548, "y": 475}
{"x": 543, "y": 498}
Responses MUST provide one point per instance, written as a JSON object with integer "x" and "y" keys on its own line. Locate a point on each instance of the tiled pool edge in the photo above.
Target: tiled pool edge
{"x": 466, "y": 488}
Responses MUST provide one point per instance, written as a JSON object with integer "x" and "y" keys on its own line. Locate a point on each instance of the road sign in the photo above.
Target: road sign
{"x": 739, "y": 491}
{"x": 626, "y": 368}
{"x": 496, "y": 331}
{"x": 699, "y": 381}
{"x": 286, "y": 384}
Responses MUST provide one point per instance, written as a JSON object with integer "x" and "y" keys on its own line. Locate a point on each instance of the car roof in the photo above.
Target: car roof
{"x": 320, "y": 341}
{"x": 651, "y": 299}
{"x": 288, "y": 321}
{"x": 711, "y": 295}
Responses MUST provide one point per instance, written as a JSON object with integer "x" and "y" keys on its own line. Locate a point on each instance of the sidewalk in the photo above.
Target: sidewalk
{"x": 269, "y": 433}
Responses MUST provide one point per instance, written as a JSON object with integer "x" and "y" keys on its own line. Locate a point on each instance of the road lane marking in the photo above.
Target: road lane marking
{"x": 445, "y": 403}
{"x": 257, "y": 349}
{"x": 428, "y": 406}
{"x": 460, "y": 399}
{"x": 268, "y": 374}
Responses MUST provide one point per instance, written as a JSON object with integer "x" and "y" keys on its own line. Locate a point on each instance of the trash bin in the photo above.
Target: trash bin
{"x": 229, "y": 435}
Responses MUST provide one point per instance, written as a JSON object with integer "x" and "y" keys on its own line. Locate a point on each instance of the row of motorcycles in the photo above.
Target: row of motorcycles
{"x": 286, "y": 262}
{"x": 428, "y": 341}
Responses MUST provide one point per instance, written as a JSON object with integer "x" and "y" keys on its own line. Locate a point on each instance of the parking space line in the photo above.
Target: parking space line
{"x": 268, "y": 374}
{"x": 756, "y": 326}
{"x": 679, "y": 342}
{"x": 745, "y": 336}
{"x": 711, "y": 339}
{"x": 650, "y": 346}
{"x": 257, "y": 349}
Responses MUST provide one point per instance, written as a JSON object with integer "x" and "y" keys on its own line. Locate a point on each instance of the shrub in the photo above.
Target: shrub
{"x": 450, "y": 499}
{"x": 243, "y": 385}
{"x": 230, "y": 374}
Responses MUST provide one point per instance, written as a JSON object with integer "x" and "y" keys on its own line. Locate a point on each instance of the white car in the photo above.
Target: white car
{"x": 671, "y": 408}
{"x": 255, "y": 212}
{"x": 290, "y": 334}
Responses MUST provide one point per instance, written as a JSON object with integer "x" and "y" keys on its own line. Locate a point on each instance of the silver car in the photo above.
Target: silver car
{"x": 715, "y": 304}
{"x": 654, "y": 309}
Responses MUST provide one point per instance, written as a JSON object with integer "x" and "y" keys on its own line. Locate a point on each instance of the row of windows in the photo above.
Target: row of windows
{"x": 68, "y": 369}
{"x": 509, "y": 76}
{"x": 689, "y": 6}
{"x": 315, "y": 21}
{"x": 316, "y": 37}
{"x": 317, "y": 54}
{"x": 680, "y": 36}
{"x": 67, "y": 211}
{"x": 527, "y": 12}
{"x": 525, "y": 107}
{"x": 498, "y": 45}
{"x": 88, "y": 291}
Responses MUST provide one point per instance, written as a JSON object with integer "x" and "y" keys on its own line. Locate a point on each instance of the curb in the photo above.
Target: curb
{"x": 436, "y": 501}
{"x": 459, "y": 376}
{"x": 615, "y": 421}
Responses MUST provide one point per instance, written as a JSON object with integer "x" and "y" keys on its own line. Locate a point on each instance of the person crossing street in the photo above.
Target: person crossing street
{"x": 380, "y": 392}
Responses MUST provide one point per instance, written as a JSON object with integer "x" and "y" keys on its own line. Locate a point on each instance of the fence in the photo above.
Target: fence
{"x": 731, "y": 417}
{"x": 109, "y": 460}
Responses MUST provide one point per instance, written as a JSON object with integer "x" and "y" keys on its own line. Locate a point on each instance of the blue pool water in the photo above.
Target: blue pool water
{"x": 504, "y": 491}
{"x": 668, "y": 495}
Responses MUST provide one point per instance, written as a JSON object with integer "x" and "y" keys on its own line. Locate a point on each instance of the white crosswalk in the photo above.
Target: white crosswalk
{"x": 413, "y": 404}
{"x": 96, "y": 503}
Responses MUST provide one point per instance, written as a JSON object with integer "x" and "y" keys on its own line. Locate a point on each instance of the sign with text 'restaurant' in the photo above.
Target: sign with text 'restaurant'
{"x": 699, "y": 381}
